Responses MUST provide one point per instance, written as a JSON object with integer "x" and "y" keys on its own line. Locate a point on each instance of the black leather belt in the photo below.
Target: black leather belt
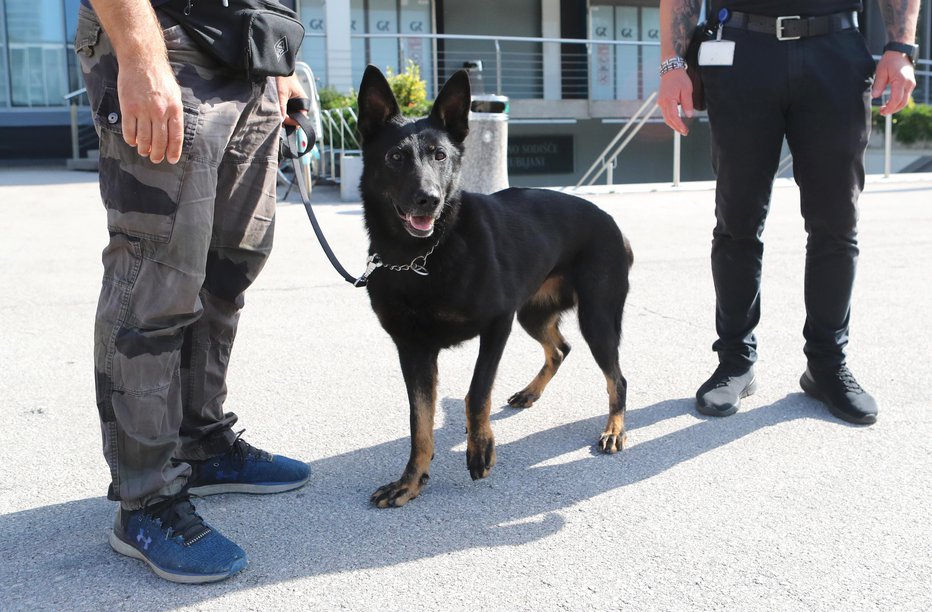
{"x": 793, "y": 27}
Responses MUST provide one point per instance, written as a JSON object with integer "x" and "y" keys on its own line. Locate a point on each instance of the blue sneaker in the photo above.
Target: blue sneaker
{"x": 176, "y": 542}
{"x": 246, "y": 469}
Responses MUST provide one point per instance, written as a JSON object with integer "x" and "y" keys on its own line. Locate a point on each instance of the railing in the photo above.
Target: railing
{"x": 606, "y": 161}
{"x": 83, "y": 136}
{"x": 339, "y": 130}
{"x": 515, "y": 66}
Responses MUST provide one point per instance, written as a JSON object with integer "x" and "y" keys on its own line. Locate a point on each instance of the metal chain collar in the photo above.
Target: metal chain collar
{"x": 418, "y": 265}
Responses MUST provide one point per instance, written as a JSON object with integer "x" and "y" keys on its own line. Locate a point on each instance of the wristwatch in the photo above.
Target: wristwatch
{"x": 911, "y": 51}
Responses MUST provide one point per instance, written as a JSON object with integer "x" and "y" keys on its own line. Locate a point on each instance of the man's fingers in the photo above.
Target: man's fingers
{"x": 880, "y": 82}
{"x": 687, "y": 104}
{"x": 672, "y": 117}
{"x": 898, "y": 97}
{"x": 144, "y": 136}
{"x": 129, "y": 129}
{"x": 159, "y": 141}
{"x": 175, "y": 137}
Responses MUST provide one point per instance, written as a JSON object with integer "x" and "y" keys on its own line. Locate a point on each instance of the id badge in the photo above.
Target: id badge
{"x": 717, "y": 53}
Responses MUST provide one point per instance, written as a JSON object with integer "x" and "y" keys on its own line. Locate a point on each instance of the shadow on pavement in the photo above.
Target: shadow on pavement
{"x": 329, "y": 527}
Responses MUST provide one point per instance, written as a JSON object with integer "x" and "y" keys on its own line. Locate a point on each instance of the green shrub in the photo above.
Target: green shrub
{"x": 910, "y": 125}
{"x": 410, "y": 90}
{"x": 331, "y": 98}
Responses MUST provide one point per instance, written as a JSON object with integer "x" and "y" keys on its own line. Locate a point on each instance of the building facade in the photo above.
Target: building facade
{"x": 567, "y": 98}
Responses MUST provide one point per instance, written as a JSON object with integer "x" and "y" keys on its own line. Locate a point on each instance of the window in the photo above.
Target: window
{"x": 36, "y": 52}
{"x": 624, "y": 71}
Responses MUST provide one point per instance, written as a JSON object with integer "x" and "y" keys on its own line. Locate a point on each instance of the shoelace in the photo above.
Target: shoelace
{"x": 177, "y": 514}
{"x": 243, "y": 450}
{"x": 848, "y": 380}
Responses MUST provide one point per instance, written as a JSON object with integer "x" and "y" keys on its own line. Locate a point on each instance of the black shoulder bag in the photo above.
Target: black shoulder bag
{"x": 254, "y": 38}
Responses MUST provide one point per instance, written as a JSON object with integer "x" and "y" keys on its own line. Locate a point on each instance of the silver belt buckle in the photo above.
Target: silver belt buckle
{"x": 780, "y": 26}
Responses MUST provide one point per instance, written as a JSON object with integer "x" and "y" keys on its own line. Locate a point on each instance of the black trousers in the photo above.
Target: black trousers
{"x": 815, "y": 92}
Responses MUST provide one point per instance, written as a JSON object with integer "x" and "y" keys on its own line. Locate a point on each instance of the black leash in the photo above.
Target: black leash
{"x": 418, "y": 265}
{"x": 294, "y": 108}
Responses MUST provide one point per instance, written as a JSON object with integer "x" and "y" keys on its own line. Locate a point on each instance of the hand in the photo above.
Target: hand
{"x": 150, "y": 102}
{"x": 676, "y": 90}
{"x": 895, "y": 70}
{"x": 288, "y": 88}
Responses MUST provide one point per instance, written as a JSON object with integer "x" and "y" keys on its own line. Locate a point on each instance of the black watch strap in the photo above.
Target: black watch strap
{"x": 911, "y": 51}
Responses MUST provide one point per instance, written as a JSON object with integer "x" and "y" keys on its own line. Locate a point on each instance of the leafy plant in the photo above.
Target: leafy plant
{"x": 910, "y": 125}
{"x": 409, "y": 89}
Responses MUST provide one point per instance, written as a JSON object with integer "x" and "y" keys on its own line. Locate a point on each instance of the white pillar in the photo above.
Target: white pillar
{"x": 550, "y": 28}
{"x": 339, "y": 49}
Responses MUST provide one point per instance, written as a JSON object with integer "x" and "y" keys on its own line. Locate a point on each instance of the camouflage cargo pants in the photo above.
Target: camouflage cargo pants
{"x": 186, "y": 240}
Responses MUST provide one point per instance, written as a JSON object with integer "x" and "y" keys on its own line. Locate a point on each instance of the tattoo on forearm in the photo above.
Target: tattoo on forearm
{"x": 683, "y": 22}
{"x": 900, "y": 17}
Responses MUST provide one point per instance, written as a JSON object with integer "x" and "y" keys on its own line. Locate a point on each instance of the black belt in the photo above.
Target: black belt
{"x": 793, "y": 27}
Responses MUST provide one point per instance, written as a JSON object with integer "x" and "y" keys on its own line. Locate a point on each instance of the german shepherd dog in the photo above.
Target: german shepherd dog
{"x": 457, "y": 265}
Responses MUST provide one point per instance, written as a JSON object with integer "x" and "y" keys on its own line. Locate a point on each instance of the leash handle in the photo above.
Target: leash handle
{"x": 293, "y": 109}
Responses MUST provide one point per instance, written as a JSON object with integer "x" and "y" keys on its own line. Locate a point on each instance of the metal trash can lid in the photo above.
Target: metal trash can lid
{"x": 489, "y": 104}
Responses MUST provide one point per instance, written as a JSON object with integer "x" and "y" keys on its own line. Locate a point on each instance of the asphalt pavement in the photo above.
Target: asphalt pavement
{"x": 779, "y": 507}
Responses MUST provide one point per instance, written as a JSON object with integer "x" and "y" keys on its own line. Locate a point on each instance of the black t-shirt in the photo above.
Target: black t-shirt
{"x": 776, "y": 8}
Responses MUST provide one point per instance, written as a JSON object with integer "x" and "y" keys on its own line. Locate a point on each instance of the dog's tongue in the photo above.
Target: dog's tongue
{"x": 421, "y": 223}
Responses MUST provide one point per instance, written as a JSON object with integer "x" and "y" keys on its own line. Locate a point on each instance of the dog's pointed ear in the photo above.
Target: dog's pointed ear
{"x": 377, "y": 104}
{"x": 451, "y": 108}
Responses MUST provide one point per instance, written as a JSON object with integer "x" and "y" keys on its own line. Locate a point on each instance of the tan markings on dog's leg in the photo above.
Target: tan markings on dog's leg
{"x": 553, "y": 358}
{"x": 549, "y": 290}
{"x": 480, "y": 442}
{"x": 417, "y": 473}
{"x": 613, "y": 438}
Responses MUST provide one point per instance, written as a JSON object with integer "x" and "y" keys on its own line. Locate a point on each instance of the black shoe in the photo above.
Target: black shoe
{"x": 721, "y": 394}
{"x": 839, "y": 390}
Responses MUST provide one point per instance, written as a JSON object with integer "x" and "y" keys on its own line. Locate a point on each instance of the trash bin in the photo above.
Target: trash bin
{"x": 474, "y": 69}
{"x": 485, "y": 163}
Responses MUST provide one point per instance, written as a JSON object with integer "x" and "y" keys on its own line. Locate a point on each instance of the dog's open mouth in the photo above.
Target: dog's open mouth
{"x": 419, "y": 226}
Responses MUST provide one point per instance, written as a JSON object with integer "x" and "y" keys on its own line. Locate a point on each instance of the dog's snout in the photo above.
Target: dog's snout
{"x": 427, "y": 198}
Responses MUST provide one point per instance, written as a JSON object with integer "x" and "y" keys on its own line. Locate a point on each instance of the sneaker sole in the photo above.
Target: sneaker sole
{"x": 751, "y": 389}
{"x": 812, "y": 390}
{"x": 254, "y": 489}
{"x": 131, "y": 551}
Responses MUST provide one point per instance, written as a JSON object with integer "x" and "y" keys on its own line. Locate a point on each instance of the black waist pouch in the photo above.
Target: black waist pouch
{"x": 254, "y": 38}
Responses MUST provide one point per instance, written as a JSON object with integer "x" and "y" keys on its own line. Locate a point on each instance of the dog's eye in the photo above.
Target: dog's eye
{"x": 395, "y": 156}
{"x": 439, "y": 155}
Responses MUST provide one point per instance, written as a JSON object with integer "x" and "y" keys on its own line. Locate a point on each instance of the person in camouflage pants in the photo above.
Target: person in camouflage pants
{"x": 186, "y": 241}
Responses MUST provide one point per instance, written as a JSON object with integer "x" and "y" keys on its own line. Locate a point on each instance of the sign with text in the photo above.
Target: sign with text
{"x": 540, "y": 154}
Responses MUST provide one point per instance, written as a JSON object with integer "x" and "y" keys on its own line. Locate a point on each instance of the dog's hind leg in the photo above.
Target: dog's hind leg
{"x": 480, "y": 443}
{"x": 542, "y": 323}
{"x": 419, "y": 367}
{"x": 600, "y": 324}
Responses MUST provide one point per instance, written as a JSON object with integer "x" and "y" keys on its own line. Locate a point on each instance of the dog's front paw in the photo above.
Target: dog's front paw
{"x": 612, "y": 442}
{"x": 523, "y": 399}
{"x": 480, "y": 454}
{"x": 398, "y": 493}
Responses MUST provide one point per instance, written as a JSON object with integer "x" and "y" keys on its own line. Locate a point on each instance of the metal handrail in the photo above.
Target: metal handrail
{"x": 604, "y": 161}
{"x": 335, "y": 118}
{"x": 74, "y": 94}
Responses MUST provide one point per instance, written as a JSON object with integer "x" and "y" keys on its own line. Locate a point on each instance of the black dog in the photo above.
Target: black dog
{"x": 457, "y": 265}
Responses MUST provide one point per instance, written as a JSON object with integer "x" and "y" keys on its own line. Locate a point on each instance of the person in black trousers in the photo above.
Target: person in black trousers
{"x": 801, "y": 70}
